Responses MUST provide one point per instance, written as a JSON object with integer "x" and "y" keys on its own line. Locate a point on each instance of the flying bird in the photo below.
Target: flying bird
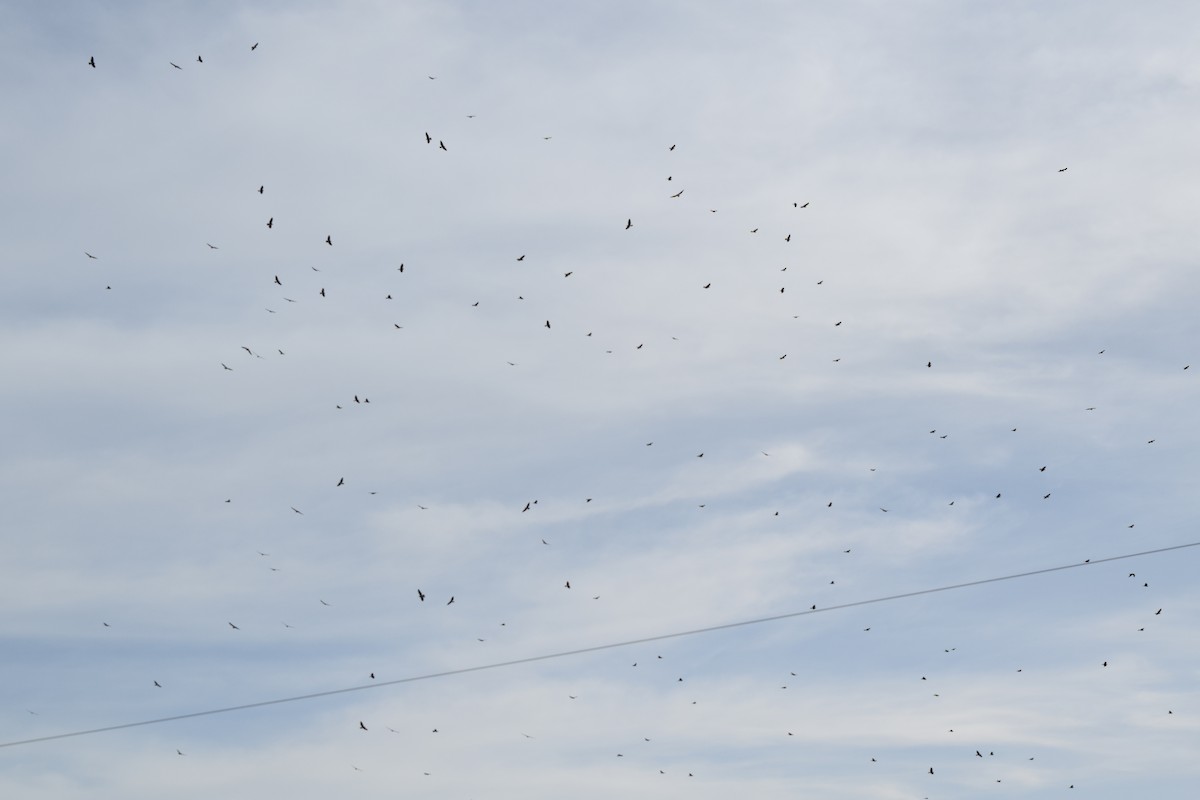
{"x": 92, "y": 62}
{"x": 628, "y": 224}
{"x": 213, "y": 246}
{"x": 361, "y": 726}
{"x": 271, "y": 222}
{"x": 260, "y": 190}
{"x": 235, "y": 627}
{"x": 451, "y": 600}
{"x": 254, "y": 46}
{"x": 420, "y": 596}
{"x": 201, "y": 60}
{"x": 442, "y": 145}
{"x": 428, "y": 138}
{"x": 329, "y": 240}
{"x": 173, "y": 64}
{"x": 1064, "y": 169}
{"x": 89, "y": 255}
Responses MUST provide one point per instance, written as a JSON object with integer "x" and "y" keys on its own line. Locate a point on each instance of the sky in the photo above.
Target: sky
{"x": 606, "y": 321}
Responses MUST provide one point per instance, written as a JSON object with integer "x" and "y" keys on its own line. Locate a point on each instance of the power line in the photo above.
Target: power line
{"x": 595, "y": 648}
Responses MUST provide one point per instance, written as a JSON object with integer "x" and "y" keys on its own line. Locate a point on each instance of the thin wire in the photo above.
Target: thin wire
{"x": 595, "y": 648}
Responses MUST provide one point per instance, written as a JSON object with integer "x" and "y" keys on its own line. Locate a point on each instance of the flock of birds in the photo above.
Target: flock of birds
{"x": 285, "y": 286}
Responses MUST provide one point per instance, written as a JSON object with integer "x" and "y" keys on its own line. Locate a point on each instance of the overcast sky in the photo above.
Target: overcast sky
{"x": 709, "y": 312}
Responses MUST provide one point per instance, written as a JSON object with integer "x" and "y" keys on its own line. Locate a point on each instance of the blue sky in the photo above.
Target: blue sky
{"x": 949, "y": 313}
